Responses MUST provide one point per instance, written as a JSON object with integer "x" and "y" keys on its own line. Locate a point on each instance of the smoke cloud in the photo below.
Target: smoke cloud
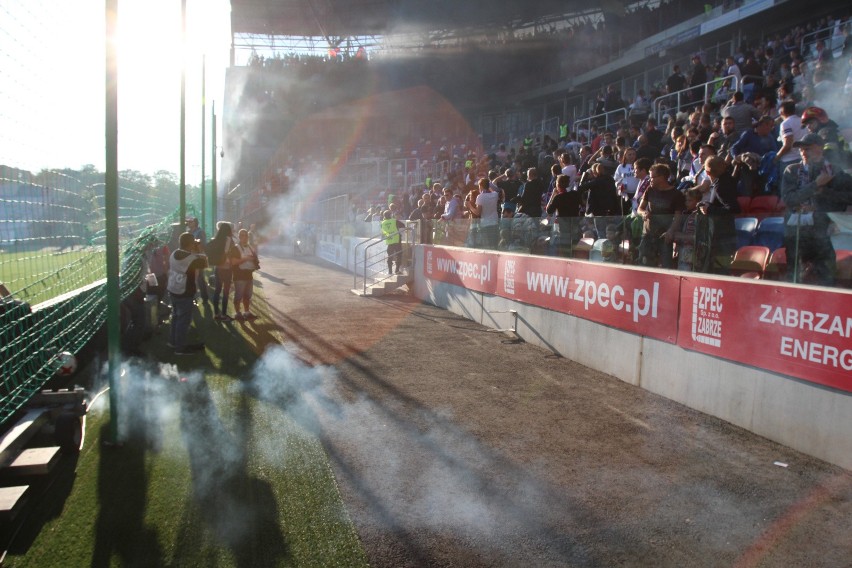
{"x": 414, "y": 469}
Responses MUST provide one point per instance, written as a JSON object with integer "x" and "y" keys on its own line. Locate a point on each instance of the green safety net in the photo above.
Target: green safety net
{"x": 53, "y": 265}
{"x": 52, "y": 209}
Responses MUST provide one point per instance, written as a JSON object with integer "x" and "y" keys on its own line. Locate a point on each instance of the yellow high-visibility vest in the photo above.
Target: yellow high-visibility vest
{"x": 390, "y": 232}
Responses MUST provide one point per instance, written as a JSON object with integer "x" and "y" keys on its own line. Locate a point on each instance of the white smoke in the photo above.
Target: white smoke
{"x": 416, "y": 468}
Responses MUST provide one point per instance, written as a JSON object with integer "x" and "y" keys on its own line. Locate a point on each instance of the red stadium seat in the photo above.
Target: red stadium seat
{"x": 776, "y": 268}
{"x": 762, "y": 206}
{"x": 750, "y": 262}
{"x": 583, "y": 248}
{"x": 745, "y": 202}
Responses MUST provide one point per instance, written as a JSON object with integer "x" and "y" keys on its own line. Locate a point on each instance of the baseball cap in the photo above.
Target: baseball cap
{"x": 809, "y": 140}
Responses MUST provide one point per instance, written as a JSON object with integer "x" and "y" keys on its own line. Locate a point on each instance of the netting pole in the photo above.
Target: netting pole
{"x": 111, "y": 216}
{"x": 203, "y": 141}
{"x": 182, "y": 208}
{"x": 214, "y": 193}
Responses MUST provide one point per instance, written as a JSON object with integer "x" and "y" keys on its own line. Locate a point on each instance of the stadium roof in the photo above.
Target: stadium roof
{"x": 343, "y": 18}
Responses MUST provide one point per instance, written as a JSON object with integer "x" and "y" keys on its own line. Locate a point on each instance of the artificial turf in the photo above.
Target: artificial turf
{"x": 214, "y": 468}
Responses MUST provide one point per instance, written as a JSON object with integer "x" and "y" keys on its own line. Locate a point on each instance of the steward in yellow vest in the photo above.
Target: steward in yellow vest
{"x": 390, "y": 231}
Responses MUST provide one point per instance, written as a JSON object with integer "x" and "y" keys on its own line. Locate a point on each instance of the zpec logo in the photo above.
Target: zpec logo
{"x": 707, "y": 316}
{"x": 509, "y": 277}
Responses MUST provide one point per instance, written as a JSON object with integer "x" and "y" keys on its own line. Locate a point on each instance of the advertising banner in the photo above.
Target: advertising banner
{"x": 475, "y": 270}
{"x": 637, "y": 301}
{"x": 798, "y": 332}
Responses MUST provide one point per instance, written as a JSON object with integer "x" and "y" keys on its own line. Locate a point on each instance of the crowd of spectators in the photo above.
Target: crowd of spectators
{"x": 668, "y": 195}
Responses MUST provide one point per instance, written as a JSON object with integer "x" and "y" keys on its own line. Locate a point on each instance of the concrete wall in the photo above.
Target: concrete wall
{"x": 804, "y": 416}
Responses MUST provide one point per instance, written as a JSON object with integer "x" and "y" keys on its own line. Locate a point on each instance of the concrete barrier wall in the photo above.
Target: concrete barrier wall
{"x": 804, "y": 416}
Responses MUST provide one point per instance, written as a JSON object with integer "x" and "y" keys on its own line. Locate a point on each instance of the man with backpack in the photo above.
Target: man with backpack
{"x": 184, "y": 264}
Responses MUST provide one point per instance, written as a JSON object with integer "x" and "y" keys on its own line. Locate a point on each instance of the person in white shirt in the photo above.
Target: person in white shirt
{"x": 625, "y": 178}
{"x": 566, "y": 160}
{"x": 700, "y": 179}
{"x": 487, "y": 207}
{"x": 734, "y": 69}
{"x": 791, "y": 131}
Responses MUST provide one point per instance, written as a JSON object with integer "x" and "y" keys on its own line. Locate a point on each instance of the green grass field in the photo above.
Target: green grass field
{"x": 43, "y": 274}
{"x": 211, "y": 472}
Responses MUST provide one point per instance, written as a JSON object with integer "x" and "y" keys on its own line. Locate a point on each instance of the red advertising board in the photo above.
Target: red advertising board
{"x": 475, "y": 270}
{"x": 634, "y": 300}
{"x": 799, "y": 332}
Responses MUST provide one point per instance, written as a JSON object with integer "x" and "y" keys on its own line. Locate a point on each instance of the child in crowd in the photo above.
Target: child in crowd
{"x": 611, "y": 247}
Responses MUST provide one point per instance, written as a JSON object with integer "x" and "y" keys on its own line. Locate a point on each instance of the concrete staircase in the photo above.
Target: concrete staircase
{"x": 387, "y": 285}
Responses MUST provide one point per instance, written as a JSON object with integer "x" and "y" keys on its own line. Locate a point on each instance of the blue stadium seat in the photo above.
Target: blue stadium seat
{"x": 746, "y": 228}
{"x": 770, "y": 233}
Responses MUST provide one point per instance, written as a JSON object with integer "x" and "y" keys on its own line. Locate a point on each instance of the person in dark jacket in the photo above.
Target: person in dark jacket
{"x": 566, "y": 205}
{"x": 529, "y": 199}
{"x": 721, "y": 206}
{"x": 603, "y": 197}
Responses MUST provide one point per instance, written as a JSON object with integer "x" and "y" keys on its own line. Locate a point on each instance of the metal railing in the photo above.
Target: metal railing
{"x": 810, "y": 38}
{"x": 370, "y": 275}
{"x": 679, "y": 96}
{"x": 588, "y": 121}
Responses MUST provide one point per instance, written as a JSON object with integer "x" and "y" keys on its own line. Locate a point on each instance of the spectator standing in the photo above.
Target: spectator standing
{"x": 752, "y": 77}
{"x": 823, "y": 54}
{"x": 157, "y": 257}
{"x": 220, "y": 251}
{"x": 676, "y": 81}
{"x": 731, "y": 68}
{"x": 529, "y": 198}
{"x": 568, "y": 167}
{"x": 645, "y": 150}
{"x": 742, "y": 113}
{"x": 791, "y": 131}
{"x": 244, "y": 267}
{"x": 603, "y": 199}
{"x": 625, "y": 178}
{"x": 184, "y": 264}
{"x": 721, "y": 206}
{"x": 199, "y": 235}
{"x": 661, "y": 209}
{"x": 641, "y": 170}
{"x": 510, "y": 186}
{"x": 653, "y": 135}
{"x": 699, "y": 77}
{"x": 452, "y": 206}
{"x": 487, "y": 208}
{"x": 424, "y": 213}
{"x": 565, "y": 204}
{"x": 613, "y": 99}
{"x": 811, "y": 189}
